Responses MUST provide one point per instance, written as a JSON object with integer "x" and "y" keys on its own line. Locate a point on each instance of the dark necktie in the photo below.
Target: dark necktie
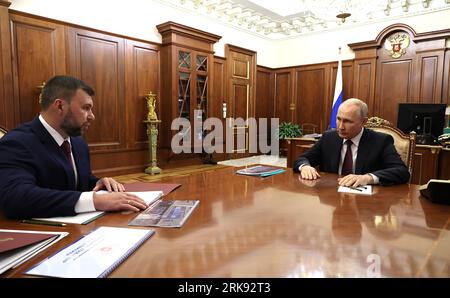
{"x": 65, "y": 146}
{"x": 347, "y": 165}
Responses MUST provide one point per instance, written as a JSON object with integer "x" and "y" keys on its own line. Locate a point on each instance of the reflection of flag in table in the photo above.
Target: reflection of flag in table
{"x": 337, "y": 98}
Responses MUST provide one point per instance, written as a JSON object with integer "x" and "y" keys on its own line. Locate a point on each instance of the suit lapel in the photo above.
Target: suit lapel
{"x": 335, "y": 155}
{"x": 54, "y": 151}
{"x": 363, "y": 151}
{"x": 80, "y": 163}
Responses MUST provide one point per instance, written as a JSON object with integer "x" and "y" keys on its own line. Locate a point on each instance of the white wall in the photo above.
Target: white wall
{"x": 324, "y": 47}
{"x": 138, "y": 18}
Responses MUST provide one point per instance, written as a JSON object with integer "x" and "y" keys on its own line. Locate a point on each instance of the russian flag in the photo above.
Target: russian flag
{"x": 337, "y": 99}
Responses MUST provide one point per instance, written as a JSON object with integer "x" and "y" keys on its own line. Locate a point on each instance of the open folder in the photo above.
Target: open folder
{"x": 18, "y": 246}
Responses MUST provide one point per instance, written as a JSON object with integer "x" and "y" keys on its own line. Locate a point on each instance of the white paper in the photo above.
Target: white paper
{"x": 14, "y": 258}
{"x": 94, "y": 255}
{"x": 360, "y": 190}
{"x": 80, "y": 218}
{"x": 148, "y": 196}
{"x": 86, "y": 217}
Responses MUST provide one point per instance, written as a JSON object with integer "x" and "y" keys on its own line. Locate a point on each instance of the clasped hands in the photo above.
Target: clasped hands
{"x": 310, "y": 173}
{"x": 116, "y": 199}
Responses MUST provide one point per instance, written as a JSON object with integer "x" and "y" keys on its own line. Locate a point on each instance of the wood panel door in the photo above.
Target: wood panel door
{"x": 284, "y": 103}
{"x": 98, "y": 59}
{"x": 312, "y": 85}
{"x": 241, "y": 77}
{"x": 38, "y": 52}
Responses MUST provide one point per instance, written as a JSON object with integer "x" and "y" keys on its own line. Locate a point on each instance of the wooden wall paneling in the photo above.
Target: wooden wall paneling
{"x": 218, "y": 96}
{"x": 218, "y": 99}
{"x": 284, "y": 102}
{"x": 312, "y": 91}
{"x": 38, "y": 53}
{"x": 444, "y": 162}
{"x": 264, "y": 102}
{"x": 98, "y": 59}
{"x": 425, "y": 164}
{"x": 446, "y": 80}
{"x": 429, "y": 67}
{"x": 6, "y": 83}
{"x": 141, "y": 77}
{"x": 394, "y": 82}
{"x": 394, "y": 79}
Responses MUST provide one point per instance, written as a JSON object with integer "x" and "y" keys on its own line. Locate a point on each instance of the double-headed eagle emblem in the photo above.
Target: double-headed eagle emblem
{"x": 396, "y": 44}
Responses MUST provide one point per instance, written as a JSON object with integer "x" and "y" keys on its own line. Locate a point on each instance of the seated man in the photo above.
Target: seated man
{"x": 361, "y": 155}
{"x": 44, "y": 164}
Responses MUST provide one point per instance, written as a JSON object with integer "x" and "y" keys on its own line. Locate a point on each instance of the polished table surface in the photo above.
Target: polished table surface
{"x": 282, "y": 226}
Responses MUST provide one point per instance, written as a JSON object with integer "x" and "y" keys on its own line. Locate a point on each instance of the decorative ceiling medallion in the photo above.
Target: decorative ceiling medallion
{"x": 396, "y": 44}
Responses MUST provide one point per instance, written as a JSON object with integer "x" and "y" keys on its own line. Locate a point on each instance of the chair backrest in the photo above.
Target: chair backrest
{"x": 2, "y": 132}
{"x": 308, "y": 128}
{"x": 405, "y": 144}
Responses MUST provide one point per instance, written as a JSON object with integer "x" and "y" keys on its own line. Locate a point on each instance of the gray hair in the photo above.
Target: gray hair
{"x": 363, "y": 109}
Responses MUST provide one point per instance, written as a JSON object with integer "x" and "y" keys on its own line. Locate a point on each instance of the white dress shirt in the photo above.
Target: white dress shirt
{"x": 354, "y": 148}
{"x": 86, "y": 201}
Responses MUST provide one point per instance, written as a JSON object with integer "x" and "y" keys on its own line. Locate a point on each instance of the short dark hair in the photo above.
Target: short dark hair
{"x": 63, "y": 87}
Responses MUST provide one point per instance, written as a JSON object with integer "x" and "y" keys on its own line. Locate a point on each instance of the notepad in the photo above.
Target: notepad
{"x": 95, "y": 255}
{"x": 360, "y": 190}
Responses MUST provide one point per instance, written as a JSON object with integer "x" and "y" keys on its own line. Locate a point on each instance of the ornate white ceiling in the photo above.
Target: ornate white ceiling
{"x": 276, "y": 19}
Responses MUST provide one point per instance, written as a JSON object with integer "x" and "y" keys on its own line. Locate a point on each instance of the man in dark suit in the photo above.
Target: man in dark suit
{"x": 44, "y": 164}
{"x": 361, "y": 155}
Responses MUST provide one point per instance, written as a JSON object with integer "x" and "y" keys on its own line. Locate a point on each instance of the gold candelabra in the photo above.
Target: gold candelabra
{"x": 152, "y": 123}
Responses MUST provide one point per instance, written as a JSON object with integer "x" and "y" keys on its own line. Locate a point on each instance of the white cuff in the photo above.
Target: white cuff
{"x": 85, "y": 202}
{"x": 376, "y": 180}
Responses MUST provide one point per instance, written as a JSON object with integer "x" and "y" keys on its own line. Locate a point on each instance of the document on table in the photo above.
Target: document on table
{"x": 95, "y": 255}
{"x": 86, "y": 217}
{"x": 360, "y": 190}
{"x": 21, "y": 248}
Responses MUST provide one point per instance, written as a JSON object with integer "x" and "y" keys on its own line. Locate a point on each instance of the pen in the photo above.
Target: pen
{"x": 355, "y": 188}
{"x": 41, "y": 222}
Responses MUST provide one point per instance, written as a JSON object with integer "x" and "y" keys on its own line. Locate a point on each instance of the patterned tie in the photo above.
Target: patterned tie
{"x": 347, "y": 166}
{"x": 65, "y": 146}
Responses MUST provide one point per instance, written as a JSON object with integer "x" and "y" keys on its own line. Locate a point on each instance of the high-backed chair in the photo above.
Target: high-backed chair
{"x": 2, "y": 132}
{"x": 308, "y": 128}
{"x": 404, "y": 143}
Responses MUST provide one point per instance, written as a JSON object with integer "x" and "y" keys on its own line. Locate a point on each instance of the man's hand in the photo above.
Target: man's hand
{"x": 309, "y": 173}
{"x": 355, "y": 180}
{"x": 115, "y": 201}
{"x": 109, "y": 184}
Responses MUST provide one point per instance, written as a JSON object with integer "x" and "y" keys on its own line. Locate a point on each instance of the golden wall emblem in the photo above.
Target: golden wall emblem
{"x": 396, "y": 44}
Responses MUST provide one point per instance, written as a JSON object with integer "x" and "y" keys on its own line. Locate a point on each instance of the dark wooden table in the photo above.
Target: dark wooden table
{"x": 282, "y": 226}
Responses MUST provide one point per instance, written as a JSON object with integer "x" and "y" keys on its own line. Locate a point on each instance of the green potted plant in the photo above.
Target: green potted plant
{"x": 287, "y": 130}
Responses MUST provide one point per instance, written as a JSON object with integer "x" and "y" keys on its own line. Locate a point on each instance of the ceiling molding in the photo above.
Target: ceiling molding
{"x": 307, "y": 17}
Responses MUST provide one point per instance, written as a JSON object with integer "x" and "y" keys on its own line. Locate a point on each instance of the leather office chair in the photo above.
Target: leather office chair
{"x": 2, "y": 132}
{"x": 405, "y": 144}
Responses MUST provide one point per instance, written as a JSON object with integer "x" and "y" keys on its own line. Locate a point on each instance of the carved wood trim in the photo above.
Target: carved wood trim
{"x": 416, "y": 37}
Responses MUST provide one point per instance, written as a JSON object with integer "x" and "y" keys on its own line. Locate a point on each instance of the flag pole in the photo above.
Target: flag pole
{"x": 337, "y": 98}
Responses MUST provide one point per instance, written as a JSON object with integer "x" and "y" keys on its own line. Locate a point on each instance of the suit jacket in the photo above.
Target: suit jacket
{"x": 36, "y": 179}
{"x": 376, "y": 155}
